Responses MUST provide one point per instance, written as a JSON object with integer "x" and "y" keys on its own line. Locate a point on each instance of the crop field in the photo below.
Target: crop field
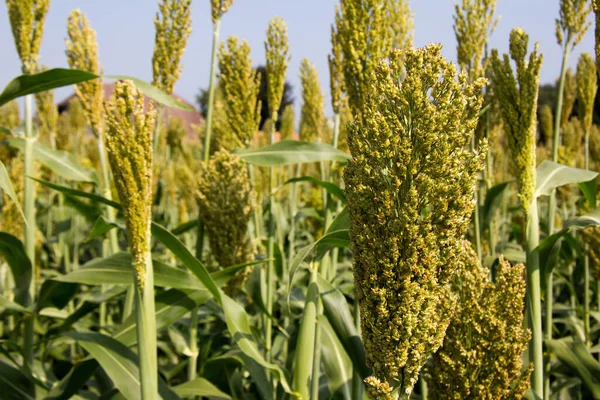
{"x": 432, "y": 233}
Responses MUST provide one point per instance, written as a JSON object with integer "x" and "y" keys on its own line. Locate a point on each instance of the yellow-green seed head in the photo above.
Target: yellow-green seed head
{"x": 547, "y": 123}
{"x": 9, "y": 118}
{"x": 219, "y": 8}
{"x": 569, "y": 97}
{"x": 312, "y": 115}
{"x": 27, "y": 23}
{"x": 410, "y": 187}
{"x": 473, "y": 23}
{"x": 288, "y": 121}
{"x": 482, "y": 353}
{"x": 587, "y": 86}
{"x": 401, "y": 23}
{"x": 173, "y": 27}
{"x": 571, "y": 25}
{"x": 596, "y": 7}
{"x": 240, "y": 85}
{"x": 517, "y": 96}
{"x": 129, "y": 144}
{"x": 336, "y": 72}
{"x": 82, "y": 53}
{"x": 226, "y": 201}
{"x": 278, "y": 58}
{"x": 175, "y": 133}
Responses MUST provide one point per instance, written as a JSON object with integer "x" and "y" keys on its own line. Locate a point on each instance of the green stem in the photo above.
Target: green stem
{"x": 586, "y": 259}
{"x": 293, "y": 211}
{"x": 357, "y": 383}
{"x": 552, "y": 210}
{"x": 193, "y": 363}
{"x": 270, "y": 249}
{"x": 211, "y": 88}
{"x": 534, "y": 312}
{"x": 29, "y": 210}
{"x": 146, "y": 332}
{"x": 316, "y": 365}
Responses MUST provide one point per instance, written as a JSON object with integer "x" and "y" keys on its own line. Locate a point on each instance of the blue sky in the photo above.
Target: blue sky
{"x": 126, "y": 35}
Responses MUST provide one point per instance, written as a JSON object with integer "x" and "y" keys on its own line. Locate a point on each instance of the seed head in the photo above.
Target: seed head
{"x": 401, "y": 23}
{"x": 27, "y": 23}
{"x": 336, "y": 72}
{"x": 571, "y": 25}
{"x": 226, "y": 201}
{"x": 410, "y": 190}
{"x": 473, "y": 23}
{"x": 82, "y": 53}
{"x": 240, "y": 85}
{"x": 47, "y": 114}
{"x": 518, "y": 103}
{"x": 569, "y": 97}
{"x": 219, "y": 8}
{"x": 547, "y": 124}
{"x": 587, "y": 86}
{"x": 596, "y": 7}
{"x": 288, "y": 121}
{"x": 173, "y": 27}
{"x": 277, "y": 49}
{"x": 129, "y": 146}
{"x": 482, "y": 353}
{"x": 312, "y": 115}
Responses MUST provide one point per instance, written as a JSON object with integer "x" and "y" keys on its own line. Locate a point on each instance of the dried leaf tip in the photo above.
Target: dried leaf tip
{"x": 129, "y": 145}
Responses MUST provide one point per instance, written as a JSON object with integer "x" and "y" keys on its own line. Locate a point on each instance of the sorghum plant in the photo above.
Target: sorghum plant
{"x": 312, "y": 115}
{"x": 129, "y": 144}
{"x": 481, "y": 357}
{"x": 517, "y": 96}
{"x": 410, "y": 190}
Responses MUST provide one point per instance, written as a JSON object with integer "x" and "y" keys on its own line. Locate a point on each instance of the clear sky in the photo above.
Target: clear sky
{"x": 125, "y": 31}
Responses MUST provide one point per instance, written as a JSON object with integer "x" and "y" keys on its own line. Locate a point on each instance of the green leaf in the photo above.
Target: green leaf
{"x": 14, "y": 384}
{"x": 78, "y": 376}
{"x": 79, "y": 193}
{"x": 55, "y": 294}
{"x": 493, "y": 200}
{"x": 292, "y": 152}
{"x": 551, "y": 175}
{"x": 335, "y": 308}
{"x": 61, "y": 162}
{"x": 156, "y": 94}
{"x": 170, "y": 307}
{"x": 6, "y": 304}
{"x": 238, "y": 325}
{"x": 117, "y": 270}
{"x": 337, "y": 366}
{"x": 119, "y": 362}
{"x": 185, "y": 227}
{"x": 200, "y": 387}
{"x": 575, "y": 356}
{"x": 305, "y": 345}
{"x": 341, "y": 222}
{"x": 46, "y": 80}
{"x": 6, "y": 185}
{"x": 589, "y": 189}
{"x": 101, "y": 227}
{"x": 13, "y": 252}
{"x": 331, "y": 187}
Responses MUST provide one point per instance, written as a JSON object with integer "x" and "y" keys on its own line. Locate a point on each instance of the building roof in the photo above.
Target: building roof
{"x": 189, "y": 118}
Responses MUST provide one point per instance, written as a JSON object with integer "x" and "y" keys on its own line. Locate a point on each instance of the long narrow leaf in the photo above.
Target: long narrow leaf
{"x": 551, "y": 175}
{"x": 6, "y": 185}
{"x": 292, "y": 152}
{"x": 200, "y": 387}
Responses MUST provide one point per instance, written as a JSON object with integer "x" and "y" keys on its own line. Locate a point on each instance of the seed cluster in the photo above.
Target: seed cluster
{"x": 27, "y": 23}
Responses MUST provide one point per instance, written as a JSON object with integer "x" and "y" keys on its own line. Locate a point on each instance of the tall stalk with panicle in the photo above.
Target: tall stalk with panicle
{"x": 129, "y": 145}
{"x": 410, "y": 190}
{"x": 277, "y": 55}
{"x": 82, "y": 53}
{"x": 473, "y": 23}
{"x": 518, "y": 103}
{"x": 587, "y": 86}
{"x": 173, "y": 27}
{"x": 27, "y": 23}
{"x": 570, "y": 28}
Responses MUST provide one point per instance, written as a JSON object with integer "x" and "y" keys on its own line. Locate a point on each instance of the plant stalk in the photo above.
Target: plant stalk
{"x": 357, "y": 383}
{"x": 304, "y": 357}
{"x": 211, "y": 88}
{"x": 586, "y": 259}
{"x": 146, "y": 332}
{"x": 533, "y": 300}
{"x": 270, "y": 249}
{"x": 29, "y": 211}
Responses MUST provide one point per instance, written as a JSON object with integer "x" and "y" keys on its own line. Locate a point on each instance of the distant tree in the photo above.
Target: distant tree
{"x": 288, "y": 99}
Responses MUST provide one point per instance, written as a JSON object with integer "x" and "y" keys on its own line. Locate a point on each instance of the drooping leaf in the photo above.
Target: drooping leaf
{"x": 6, "y": 185}
{"x": 292, "y": 152}
{"x": 79, "y": 193}
{"x": 589, "y": 190}
{"x": 337, "y": 366}
{"x": 6, "y": 304}
{"x": 61, "y": 162}
{"x": 119, "y": 362}
{"x": 101, "y": 227}
{"x": 576, "y": 357}
{"x": 55, "y": 294}
{"x": 331, "y": 187}
{"x": 493, "y": 199}
{"x": 551, "y": 175}
{"x": 154, "y": 93}
{"x": 117, "y": 270}
{"x": 75, "y": 380}
{"x": 200, "y": 387}
{"x": 335, "y": 308}
{"x": 14, "y": 384}
{"x": 14, "y": 254}
{"x": 46, "y": 80}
